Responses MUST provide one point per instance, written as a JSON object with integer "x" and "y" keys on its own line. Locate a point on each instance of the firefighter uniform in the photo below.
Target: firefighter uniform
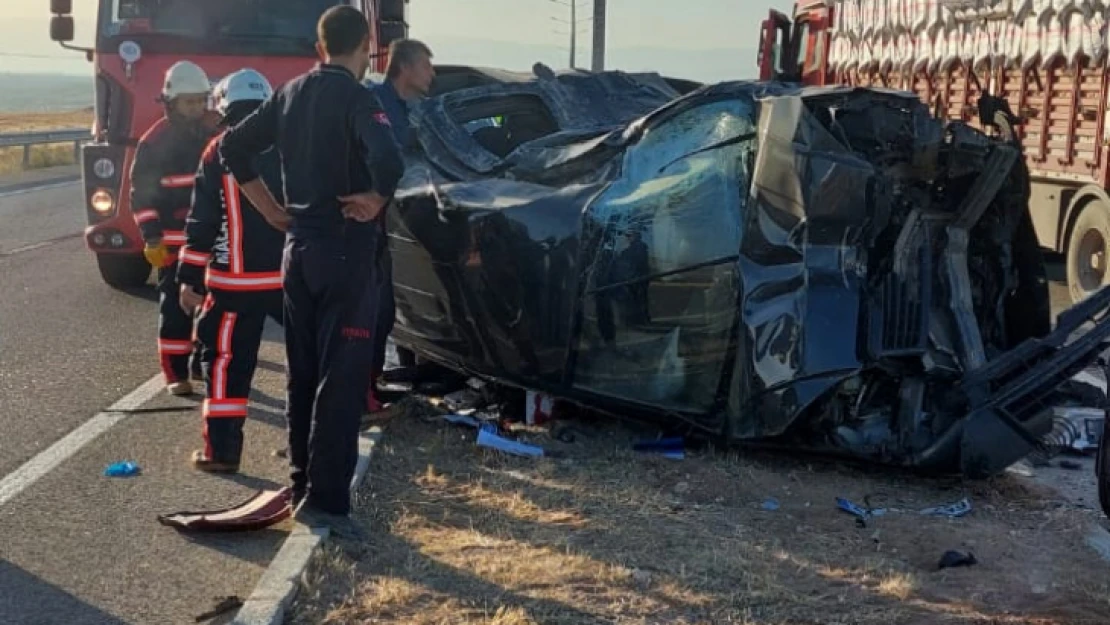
{"x": 334, "y": 141}
{"x": 231, "y": 252}
{"x": 161, "y": 188}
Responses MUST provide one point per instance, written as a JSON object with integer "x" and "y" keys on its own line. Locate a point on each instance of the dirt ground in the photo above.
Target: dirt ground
{"x": 462, "y": 534}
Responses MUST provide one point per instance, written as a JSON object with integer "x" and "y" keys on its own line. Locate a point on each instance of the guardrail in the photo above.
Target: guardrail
{"x": 26, "y": 140}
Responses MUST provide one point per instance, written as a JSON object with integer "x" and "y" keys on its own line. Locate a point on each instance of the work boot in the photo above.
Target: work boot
{"x": 201, "y": 462}
{"x": 341, "y": 526}
{"x": 181, "y": 388}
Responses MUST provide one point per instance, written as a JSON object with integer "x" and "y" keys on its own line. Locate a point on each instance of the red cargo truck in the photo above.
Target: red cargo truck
{"x": 136, "y": 41}
{"x": 1050, "y": 67}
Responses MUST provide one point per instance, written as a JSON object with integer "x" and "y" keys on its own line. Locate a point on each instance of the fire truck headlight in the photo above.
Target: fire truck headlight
{"x": 102, "y": 201}
{"x": 104, "y": 168}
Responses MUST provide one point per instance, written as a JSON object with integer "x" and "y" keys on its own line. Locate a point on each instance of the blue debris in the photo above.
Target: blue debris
{"x": 952, "y": 511}
{"x": 122, "y": 469}
{"x": 459, "y": 419}
{"x": 771, "y": 504}
{"x": 488, "y": 437}
{"x": 858, "y": 512}
{"x": 673, "y": 448}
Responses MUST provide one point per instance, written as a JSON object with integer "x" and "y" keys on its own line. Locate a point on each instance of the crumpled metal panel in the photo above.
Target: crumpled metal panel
{"x": 763, "y": 262}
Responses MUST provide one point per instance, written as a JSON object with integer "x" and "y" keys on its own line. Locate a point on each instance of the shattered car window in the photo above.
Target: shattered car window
{"x": 661, "y": 289}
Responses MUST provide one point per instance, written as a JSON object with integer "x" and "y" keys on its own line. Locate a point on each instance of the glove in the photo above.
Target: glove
{"x": 157, "y": 255}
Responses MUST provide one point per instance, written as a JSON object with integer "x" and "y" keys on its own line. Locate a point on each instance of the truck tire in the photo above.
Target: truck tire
{"x": 1087, "y": 255}
{"x": 123, "y": 271}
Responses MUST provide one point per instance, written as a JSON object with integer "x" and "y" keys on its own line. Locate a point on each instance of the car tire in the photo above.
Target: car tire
{"x": 123, "y": 271}
{"x": 1087, "y": 254}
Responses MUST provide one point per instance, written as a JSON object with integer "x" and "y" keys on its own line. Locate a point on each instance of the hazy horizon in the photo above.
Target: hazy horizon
{"x": 706, "y": 40}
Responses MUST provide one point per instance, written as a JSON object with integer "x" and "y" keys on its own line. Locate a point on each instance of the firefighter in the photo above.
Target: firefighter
{"x": 161, "y": 188}
{"x": 340, "y": 166}
{"x": 408, "y": 77}
{"x": 234, "y": 255}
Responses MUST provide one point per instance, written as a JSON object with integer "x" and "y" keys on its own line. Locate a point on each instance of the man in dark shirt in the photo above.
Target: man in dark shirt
{"x": 340, "y": 166}
{"x": 408, "y": 77}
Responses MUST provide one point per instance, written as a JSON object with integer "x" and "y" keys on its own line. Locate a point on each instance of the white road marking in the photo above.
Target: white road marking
{"x": 34, "y": 469}
{"x": 45, "y": 187}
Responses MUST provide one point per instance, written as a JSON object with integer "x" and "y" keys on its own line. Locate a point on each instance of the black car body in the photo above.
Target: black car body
{"x": 828, "y": 269}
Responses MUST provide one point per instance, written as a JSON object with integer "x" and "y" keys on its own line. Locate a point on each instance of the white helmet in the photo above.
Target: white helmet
{"x": 182, "y": 78}
{"x": 245, "y": 84}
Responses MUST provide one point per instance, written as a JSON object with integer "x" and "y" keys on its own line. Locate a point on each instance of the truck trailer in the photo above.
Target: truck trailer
{"x": 1044, "y": 60}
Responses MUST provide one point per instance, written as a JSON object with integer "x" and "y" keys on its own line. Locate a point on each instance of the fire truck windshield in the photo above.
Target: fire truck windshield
{"x": 272, "y": 27}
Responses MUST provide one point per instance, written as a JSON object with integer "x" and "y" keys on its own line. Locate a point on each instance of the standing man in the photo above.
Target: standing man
{"x": 408, "y": 77}
{"x": 162, "y": 177}
{"x": 233, "y": 253}
{"x": 340, "y": 166}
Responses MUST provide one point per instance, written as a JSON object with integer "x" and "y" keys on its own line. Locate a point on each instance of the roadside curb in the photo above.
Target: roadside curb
{"x": 278, "y": 587}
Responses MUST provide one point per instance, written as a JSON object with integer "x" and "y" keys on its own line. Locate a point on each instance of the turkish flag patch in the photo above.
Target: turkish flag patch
{"x": 382, "y": 119}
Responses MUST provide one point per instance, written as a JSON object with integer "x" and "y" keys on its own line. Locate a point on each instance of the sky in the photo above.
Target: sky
{"x": 706, "y": 40}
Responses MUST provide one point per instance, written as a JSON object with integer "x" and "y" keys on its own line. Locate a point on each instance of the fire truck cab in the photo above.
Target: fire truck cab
{"x": 136, "y": 41}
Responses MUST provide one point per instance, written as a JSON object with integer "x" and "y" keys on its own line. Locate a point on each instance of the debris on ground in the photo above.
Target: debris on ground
{"x": 953, "y": 559}
{"x": 223, "y": 606}
{"x": 264, "y": 509}
{"x": 952, "y": 511}
{"x": 464, "y": 537}
{"x": 122, "y": 469}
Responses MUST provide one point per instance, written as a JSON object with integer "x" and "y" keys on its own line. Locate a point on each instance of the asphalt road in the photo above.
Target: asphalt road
{"x": 78, "y": 547}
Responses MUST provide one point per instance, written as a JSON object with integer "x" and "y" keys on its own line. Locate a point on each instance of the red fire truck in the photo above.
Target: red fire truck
{"x": 1057, "y": 90}
{"x": 136, "y": 41}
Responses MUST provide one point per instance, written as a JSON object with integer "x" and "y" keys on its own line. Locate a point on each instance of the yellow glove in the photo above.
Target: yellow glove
{"x": 156, "y": 254}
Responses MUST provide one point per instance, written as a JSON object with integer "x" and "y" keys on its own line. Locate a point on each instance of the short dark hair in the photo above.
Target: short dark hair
{"x": 342, "y": 29}
{"x": 404, "y": 52}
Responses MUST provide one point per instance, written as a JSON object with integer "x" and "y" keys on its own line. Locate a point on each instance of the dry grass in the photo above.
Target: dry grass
{"x": 11, "y": 159}
{"x": 604, "y": 535}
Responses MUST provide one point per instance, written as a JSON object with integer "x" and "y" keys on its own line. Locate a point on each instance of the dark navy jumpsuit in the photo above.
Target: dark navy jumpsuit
{"x": 397, "y": 110}
{"x": 233, "y": 253}
{"x": 334, "y": 140}
{"x": 162, "y": 177}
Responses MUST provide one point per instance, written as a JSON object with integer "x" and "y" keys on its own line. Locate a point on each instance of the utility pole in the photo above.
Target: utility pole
{"x": 573, "y": 33}
{"x": 599, "y": 37}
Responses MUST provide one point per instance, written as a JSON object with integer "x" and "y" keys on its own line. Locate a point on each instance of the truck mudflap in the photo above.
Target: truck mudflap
{"x": 1012, "y": 395}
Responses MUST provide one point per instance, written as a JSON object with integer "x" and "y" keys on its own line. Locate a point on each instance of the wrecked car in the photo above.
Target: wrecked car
{"x": 822, "y": 269}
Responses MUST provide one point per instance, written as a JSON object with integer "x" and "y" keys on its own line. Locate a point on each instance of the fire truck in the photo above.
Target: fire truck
{"x": 1045, "y": 60}
{"x": 136, "y": 41}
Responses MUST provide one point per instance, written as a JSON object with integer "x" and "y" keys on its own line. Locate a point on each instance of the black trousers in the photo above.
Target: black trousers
{"x": 229, "y": 332}
{"x": 175, "y": 329}
{"x": 332, "y": 289}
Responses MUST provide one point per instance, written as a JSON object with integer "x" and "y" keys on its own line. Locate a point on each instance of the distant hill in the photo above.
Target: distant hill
{"x": 43, "y": 93}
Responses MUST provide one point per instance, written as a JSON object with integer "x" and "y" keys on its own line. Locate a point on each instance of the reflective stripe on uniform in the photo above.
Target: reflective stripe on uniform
{"x": 224, "y": 408}
{"x": 168, "y": 347}
{"x": 261, "y": 281}
{"x": 146, "y": 215}
{"x": 190, "y": 257}
{"x": 180, "y": 181}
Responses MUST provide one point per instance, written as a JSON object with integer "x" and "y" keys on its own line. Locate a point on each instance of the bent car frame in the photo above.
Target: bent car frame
{"x": 829, "y": 269}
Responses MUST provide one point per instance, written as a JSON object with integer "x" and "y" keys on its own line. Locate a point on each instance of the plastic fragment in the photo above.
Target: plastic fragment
{"x": 952, "y": 511}
{"x": 459, "y": 419}
{"x": 122, "y": 469}
{"x": 488, "y": 438}
{"x": 672, "y": 448}
{"x": 771, "y": 504}
{"x": 857, "y": 511}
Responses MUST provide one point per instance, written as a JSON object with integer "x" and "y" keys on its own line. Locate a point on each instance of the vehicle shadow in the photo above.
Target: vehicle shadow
{"x": 30, "y": 599}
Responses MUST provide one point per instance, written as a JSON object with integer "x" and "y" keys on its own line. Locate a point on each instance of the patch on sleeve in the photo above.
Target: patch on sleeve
{"x": 382, "y": 119}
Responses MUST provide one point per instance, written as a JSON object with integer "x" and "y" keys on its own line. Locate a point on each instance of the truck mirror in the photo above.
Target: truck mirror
{"x": 61, "y": 28}
{"x": 388, "y": 32}
{"x": 61, "y": 7}
{"x": 391, "y": 10}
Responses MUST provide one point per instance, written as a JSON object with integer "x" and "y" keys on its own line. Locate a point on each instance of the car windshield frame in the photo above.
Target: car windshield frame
{"x": 192, "y": 32}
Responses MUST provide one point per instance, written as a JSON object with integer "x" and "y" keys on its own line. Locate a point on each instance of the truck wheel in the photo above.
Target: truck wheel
{"x": 123, "y": 271}
{"x": 1087, "y": 253}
